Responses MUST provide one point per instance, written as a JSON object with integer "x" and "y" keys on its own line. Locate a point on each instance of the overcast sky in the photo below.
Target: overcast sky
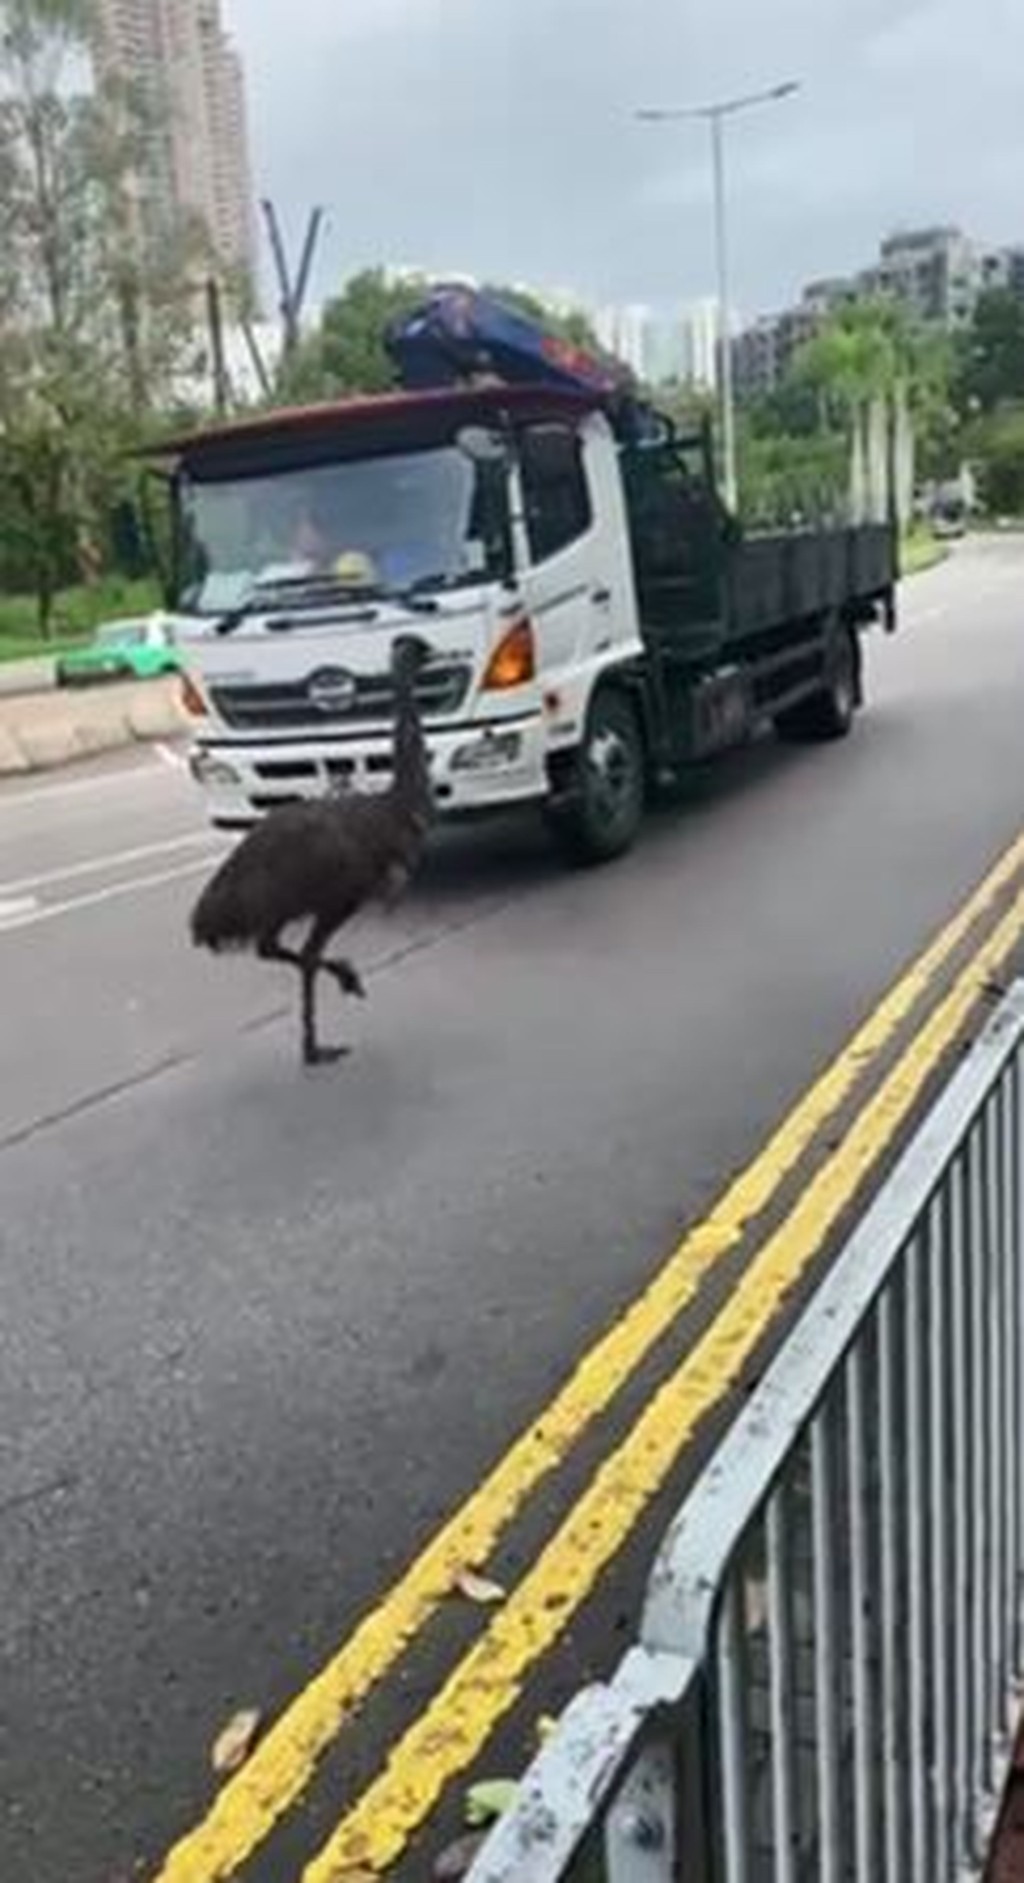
{"x": 495, "y": 136}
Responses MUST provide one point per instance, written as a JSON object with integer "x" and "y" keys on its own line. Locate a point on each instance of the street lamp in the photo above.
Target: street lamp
{"x": 715, "y": 115}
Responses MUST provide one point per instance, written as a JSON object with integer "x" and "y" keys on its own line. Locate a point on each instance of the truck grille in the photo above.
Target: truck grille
{"x": 282, "y": 705}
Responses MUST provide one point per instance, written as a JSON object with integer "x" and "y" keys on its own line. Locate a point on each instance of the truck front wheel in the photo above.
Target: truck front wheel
{"x": 600, "y": 815}
{"x": 828, "y": 714}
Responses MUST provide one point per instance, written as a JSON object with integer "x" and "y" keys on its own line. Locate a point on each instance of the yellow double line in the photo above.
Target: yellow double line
{"x": 486, "y": 1683}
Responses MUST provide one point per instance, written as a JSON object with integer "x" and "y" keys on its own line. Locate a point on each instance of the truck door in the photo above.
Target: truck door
{"x": 570, "y": 585}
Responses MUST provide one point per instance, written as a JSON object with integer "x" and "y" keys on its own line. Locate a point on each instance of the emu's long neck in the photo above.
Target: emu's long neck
{"x": 411, "y": 780}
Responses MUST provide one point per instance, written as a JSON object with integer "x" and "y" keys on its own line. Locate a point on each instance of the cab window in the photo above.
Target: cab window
{"x": 555, "y": 493}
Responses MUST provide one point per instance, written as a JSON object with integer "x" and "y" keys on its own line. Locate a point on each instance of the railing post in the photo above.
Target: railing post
{"x": 640, "y": 1833}
{"x": 1017, "y": 1180}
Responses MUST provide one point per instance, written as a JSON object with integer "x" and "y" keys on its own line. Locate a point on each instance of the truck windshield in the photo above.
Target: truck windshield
{"x": 425, "y": 519}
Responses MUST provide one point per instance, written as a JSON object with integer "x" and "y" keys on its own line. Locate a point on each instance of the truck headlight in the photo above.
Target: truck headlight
{"x": 210, "y": 771}
{"x": 489, "y": 752}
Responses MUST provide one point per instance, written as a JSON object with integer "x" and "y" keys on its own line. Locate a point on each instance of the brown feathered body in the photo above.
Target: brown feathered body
{"x": 324, "y": 859}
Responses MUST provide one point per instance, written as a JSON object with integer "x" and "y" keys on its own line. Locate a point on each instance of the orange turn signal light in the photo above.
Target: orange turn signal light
{"x": 514, "y": 660}
{"x": 191, "y": 698}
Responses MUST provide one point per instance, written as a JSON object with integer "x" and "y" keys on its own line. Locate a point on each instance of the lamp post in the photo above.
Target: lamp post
{"x": 715, "y": 115}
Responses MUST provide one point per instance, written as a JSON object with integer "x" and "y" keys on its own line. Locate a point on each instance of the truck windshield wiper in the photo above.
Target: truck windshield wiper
{"x": 234, "y": 618}
{"x": 420, "y": 597}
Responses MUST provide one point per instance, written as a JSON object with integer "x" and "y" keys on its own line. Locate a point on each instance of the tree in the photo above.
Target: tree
{"x": 991, "y": 354}
{"x": 346, "y": 354}
{"x": 859, "y": 355}
{"x": 997, "y": 452}
{"x": 90, "y": 316}
{"x": 784, "y": 477}
{"x": 872, "y": 358}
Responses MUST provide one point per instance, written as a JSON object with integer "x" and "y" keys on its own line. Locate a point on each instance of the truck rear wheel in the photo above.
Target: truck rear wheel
{"x": 601, "y": 815}
{"x": 828, "y": 714}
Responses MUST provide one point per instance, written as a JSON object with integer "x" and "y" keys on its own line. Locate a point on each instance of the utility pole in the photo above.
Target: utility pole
{"x": 218, "y": 363}
{"x": 292, "y": 292}
{"x": 715, "y": 115}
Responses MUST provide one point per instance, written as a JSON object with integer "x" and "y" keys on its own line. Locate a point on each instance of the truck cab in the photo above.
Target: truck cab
{"x": 491, "y": 520}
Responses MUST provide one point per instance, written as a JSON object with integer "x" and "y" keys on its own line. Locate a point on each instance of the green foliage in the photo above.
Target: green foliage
{"x": 855, "y": 358}
{"x": 76, "y": 613}
{"x": 867, "y": 351}
{"x": 686, "y": 406}
{"x": 919, "y": 550}
{"x": 783, "y": 478}
{"x": 997, "y": 444}
{"x": 346, "y": 354}
{"x": 94, "y": 312}
{"x": 793, "y": 410}
{"x": 990, "y": 364}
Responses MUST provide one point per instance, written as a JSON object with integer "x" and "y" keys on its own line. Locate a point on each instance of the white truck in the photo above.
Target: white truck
{"x": 596, "y": 618}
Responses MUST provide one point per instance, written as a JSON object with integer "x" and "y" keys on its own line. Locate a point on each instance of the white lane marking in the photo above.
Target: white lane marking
{"x": 113, "y": 893}
{"x": 149, "y": 772}
{"x": 16, "y": 906}
{"x": 116, "y": 860}
{"x": 169, "y": 756}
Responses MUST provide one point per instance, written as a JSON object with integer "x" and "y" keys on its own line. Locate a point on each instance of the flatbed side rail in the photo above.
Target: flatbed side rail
{"x": 827, "y": 1678}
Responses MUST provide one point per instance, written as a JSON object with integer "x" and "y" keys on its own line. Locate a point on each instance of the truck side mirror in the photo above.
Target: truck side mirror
{"x": 481, "y": 445}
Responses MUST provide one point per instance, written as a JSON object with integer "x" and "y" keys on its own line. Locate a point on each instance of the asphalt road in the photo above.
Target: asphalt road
{"x": 261, "y": 1331}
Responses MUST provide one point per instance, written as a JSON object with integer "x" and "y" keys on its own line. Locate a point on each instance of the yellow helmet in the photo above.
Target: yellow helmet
{"x": 356, "y": 569}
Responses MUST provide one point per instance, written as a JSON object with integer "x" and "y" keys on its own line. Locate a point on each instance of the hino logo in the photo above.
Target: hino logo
{"x": 331, "y": 690}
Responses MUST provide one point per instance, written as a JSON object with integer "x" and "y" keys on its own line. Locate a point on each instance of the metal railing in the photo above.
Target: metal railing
{"x": 827, "y": 1679}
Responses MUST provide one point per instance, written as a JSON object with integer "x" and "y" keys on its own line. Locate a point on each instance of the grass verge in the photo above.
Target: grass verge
{"x": 77, "y": 613}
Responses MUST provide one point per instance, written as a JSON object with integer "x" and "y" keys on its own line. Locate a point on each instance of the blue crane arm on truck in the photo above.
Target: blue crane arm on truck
{"x": 457, "y": 335}
{"x": 599, "y": 620}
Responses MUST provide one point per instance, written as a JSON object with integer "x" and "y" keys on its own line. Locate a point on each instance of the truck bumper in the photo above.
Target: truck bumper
{"x": 475, "y": 768}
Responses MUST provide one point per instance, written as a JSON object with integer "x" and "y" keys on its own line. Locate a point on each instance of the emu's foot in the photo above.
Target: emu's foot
{"x": 347, "y": 978}
{"x": 324, "y": 1055}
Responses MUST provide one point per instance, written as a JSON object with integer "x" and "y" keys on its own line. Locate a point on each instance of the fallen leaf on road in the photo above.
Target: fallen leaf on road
{"x": 489, "y": 1801}
{"x": 546, "y": 1725}
{"x": 455, "y": 1863}
{"x": 232, "y": 1747}
{"x": 481, "y": 1590}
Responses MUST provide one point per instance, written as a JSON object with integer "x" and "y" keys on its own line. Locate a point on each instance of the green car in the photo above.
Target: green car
{"x": 122, "y": 650}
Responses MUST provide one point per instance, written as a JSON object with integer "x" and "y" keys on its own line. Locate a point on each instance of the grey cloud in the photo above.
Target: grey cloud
{"x": 496, "y": 135}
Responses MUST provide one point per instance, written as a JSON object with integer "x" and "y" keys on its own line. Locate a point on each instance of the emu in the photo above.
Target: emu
{"x": 322, "y": 860}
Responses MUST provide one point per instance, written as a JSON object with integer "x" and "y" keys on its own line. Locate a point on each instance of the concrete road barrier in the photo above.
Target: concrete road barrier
{"x": 40, "y": 731}
{"x": 27, "y": 676}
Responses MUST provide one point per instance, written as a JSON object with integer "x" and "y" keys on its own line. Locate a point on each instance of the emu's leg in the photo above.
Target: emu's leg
{"x": 270, "y": 949}
{"x": 313, "y": 1054}
{"x": 312, "y": 964}
{"x": 347, "y": 977}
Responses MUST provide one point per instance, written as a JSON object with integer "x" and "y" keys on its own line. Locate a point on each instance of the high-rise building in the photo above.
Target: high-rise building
{"x": 700, "y": 345}
{"x": 1004, "y": 268}
{"x": 176, "y": 56}
{"x": 933, "y": 273}
{"x": 664, "y": 347}
{"x": 763, "y": 354}
{"x": 627, "y": 332}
